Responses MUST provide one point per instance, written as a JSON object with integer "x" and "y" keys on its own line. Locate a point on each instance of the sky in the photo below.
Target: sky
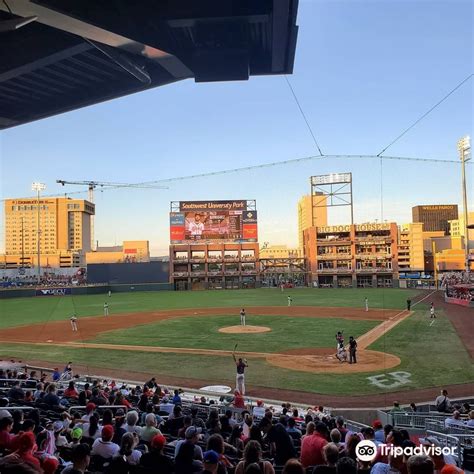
{"x": 364, "y": 71}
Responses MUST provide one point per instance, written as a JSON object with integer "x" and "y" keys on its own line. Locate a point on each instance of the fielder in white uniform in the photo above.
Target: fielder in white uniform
{"x": 73, "y": 320}
{"x": 289, "y": 300}
{"x": 432, "y": 312}
{"x": 242, "y": 317}
{"x": 366, "y": 304}
{"x": 106, "y": 309}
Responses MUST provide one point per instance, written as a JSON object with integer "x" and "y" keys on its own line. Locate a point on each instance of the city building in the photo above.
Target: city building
{"x": 457, "y": 226}
{"x": 312, "y": 211}
{"x": 65, "y": 232}
{"x": 280, "y": 251}
{"x": 214, "y": 266}
{"x": 435, "y": 217}
{"x": 410, "y": 248}
{"x": 131, "y": 251}
{"x": 364, "y": 255}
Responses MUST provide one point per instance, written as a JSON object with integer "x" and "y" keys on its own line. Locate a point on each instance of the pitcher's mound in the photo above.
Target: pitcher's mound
{"x": 244, "y": 329}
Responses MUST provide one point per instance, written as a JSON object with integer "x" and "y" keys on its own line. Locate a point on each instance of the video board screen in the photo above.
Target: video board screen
{"x": 201, "y": 221}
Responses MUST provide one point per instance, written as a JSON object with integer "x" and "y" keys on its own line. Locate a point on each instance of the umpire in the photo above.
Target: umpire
{"x": 352, "y": 350}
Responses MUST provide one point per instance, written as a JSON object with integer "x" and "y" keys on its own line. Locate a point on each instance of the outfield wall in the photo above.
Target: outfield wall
{"x": 128, "y": 273}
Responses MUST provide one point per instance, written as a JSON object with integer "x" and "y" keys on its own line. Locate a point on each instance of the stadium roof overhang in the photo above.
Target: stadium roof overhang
{"x": 58, "y": 56}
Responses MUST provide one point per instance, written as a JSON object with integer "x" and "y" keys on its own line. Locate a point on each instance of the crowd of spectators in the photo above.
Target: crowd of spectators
{"x": 456, "y": 278}
{"x": 112, "y": 428}
{"x": 49, "y": 280}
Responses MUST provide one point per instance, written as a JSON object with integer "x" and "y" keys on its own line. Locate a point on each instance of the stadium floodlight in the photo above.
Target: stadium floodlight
{"x": 464, "y": 148}
{"x": 38, "y": 187}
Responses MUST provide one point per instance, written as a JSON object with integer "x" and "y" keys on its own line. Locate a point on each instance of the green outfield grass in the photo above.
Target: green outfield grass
{"x": 432, "y": 356}
{"x": 203, "y": 333}
{"x": 19, "y": 311}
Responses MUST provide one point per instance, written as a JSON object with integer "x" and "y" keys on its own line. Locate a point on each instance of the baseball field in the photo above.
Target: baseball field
{"x": 187, "y": 338}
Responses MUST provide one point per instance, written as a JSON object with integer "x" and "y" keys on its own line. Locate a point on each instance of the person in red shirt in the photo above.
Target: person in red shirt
{"x": 239, "y": 401}
{"x": 24, "y": 454}
{"x": 71, "y": 391}
{"x": 312, "y": 447}
{"x": 6, "y": 425}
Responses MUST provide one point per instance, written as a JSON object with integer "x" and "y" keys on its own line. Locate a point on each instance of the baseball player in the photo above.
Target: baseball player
{"x": 240, "y": 365}
{"x": 73, "y": 320}
{"x": 289, "y": 300}
{"x": 341, "y": 353}
{"x": 106, "y": 309}
{"x": 432, "y": 312}
{"x": 110, "y": 293}
{"x": 366, "y": 303}
{"x": 242, "y": 317}
{"x": 339, "y": 339}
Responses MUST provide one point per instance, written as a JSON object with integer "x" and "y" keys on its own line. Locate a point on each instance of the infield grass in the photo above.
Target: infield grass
{"x": 203, "y": 333}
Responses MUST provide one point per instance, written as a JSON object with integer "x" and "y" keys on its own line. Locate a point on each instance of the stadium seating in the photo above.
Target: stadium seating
{"x": 65, "y": 431}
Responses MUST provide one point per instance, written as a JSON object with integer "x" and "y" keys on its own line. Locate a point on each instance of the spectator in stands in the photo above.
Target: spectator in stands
{"x": 39, "y": 392}
{"x": 369, "y": 433}
{"x": 279, "y": 441}
{"x": 155, "y": 460}
{"x": 386, "y": 431}
{"x": 185, "y": 460}
{"x": 121, "y": 400}
{"x": 127, "y": 449}
{"x": 176, "y": 398}
{"x": 132, "y": 420}
{"x": 18, "y": 417}
{"x": 466, "y": 408}
{"x": 330, "y": 455}
{"x": 312, "y": 447}
{"x": 216, "y": 443}
{"x": 396, "y": 408}
{"x": 292, "y": 430}
{"x": 24, "y": 454}
{"x": 310, "y": 429}
{"x": 211, "y": 462}
{"x": 253, "y": 455}
{"x": 443, "y": 403}
{"x": 439, "y": 460}
{"x": 71, "y": 391}
{"x": 151, "y": 384}
{"x": 92, "y": 429}
{"x": 293, "y": 466}
{"x": 346, "y": 465}
{"x": 470, "y": 421}
{"x": 107, "y": 418}
{"x": 468, "y": 457}
{"x": 235, "y": 440}
{"x": 340, "y": 426}
{"x": 195, "y": 420}
{"x": 335, "y": 436}
{"x": 56, "y": 375}
{"x": 454, "y": 420}
{"x": 80, "y": 460}
{"x": 191, "y": 438}
{"x": 395, "y": 465}
{"x": 175, "y": 421}
{"x": 150, "y": 429}
{"x": 420, "y": 464}
{"x": 6, "y": 425}
{"x": 103, "y": 446}
{"x": 51, "y": 398}
{"x": 16, "y": 392}
{"x": 352, "y": 440}
{"x": 239, "y": 401}
{"x": 227, "y": 422}
{"x": 97, "y": 398}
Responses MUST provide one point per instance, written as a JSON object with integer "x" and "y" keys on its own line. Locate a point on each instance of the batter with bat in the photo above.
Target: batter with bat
{"x": 241, "y": 365}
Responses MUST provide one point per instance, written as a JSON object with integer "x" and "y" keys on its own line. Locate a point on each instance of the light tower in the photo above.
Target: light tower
{"x": 38, "y": 187}
{"x": 464, "y": 148}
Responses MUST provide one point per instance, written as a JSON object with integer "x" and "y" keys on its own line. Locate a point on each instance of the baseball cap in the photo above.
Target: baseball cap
{"x": 58, "y": 426}
{"x": 211, "y": 457}
{"x": 108, "y": 431}
{"x": 158, "y": 441}
{"x": 49, "y": 465}
{"x": 5, "y": 414}
{"x": 451, "y": 469}
{"x": 377, "y": 424}
{"x": 192, "y": 431}
{"x": 90, "y": 406}
{"x": 76, "y": 433}
{"x": 119, "y": 412}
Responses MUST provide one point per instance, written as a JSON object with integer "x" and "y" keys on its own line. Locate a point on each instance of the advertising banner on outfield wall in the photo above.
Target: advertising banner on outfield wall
{"x": 53, "y": 292}
{"x": 202, "y": 221}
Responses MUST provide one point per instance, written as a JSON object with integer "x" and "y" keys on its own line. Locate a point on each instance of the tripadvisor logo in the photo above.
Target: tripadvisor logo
{"x": 366, "y": 450}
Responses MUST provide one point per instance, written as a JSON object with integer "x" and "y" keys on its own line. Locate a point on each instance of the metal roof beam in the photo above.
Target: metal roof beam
{"x": 60, "y": 21}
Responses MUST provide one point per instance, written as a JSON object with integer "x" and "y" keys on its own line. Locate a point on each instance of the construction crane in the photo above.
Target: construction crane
{"x": 92, "y": 185}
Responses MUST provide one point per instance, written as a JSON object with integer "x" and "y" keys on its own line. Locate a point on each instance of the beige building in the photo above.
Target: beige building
{"x": 65, "y": 231}
{"x": 312, "y": 212}
{"x": 132, "y": 251}
{"x": 456, "y": 227}
{"x": 280, "y": 251}
{"x": 410, "y": 247}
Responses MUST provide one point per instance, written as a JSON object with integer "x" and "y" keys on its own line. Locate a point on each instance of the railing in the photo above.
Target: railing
{"x": 447, "y": 440}
{"x": 215, "y": 273}
{"x": 334, "y": 256}
{"x": 355, "y": 425}
{"x": 197, "y": 260}
{"x": 198, "y": 273}
{"x": 334, "y": 270}
{"x": 214, "y": 259}
{"x": 180, "y": 274}
{"x": 415, "y": 420}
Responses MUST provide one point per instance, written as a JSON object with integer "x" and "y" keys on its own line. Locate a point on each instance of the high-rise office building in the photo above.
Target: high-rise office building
{"x": 311, "y": 213}
{"x": 435, "y": 217}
